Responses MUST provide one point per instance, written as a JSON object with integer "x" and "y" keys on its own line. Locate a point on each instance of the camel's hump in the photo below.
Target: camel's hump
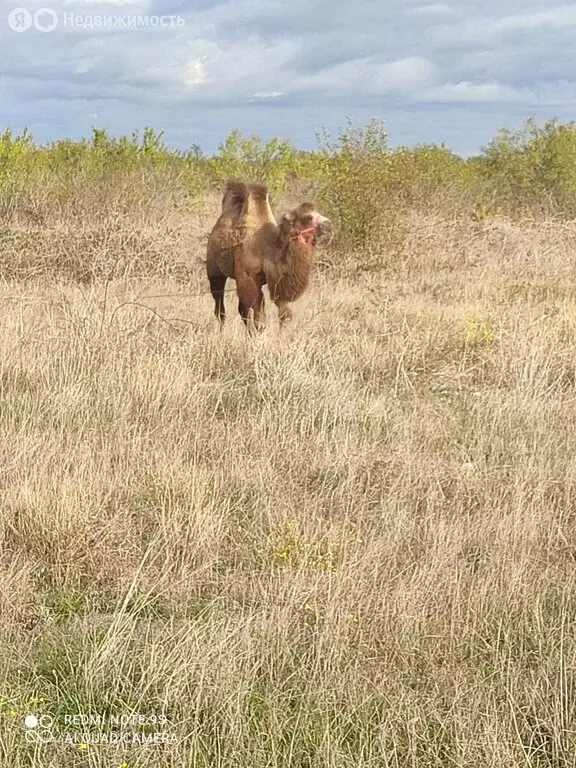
{"x": 258, "y": 190}
{"x": 240, "y": 196}
{"x": 243, "y": 189}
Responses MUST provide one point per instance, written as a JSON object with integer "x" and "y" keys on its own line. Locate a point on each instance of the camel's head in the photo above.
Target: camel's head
{"x": 304, "y": 224}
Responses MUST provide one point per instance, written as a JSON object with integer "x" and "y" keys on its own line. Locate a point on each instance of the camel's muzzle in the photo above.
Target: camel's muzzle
{"x": 320, "y": 233}
{"x": 324, "y": 232}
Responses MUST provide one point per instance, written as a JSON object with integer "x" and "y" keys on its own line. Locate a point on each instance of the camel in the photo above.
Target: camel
{"x": 249, "y": 246}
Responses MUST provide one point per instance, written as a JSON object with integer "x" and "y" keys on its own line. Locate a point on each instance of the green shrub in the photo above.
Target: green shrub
{"x": 357, "y": 188}
{"x": 240, "y": 157}
{"x": 533, "y": 169}
{"x": 365, "y": 186}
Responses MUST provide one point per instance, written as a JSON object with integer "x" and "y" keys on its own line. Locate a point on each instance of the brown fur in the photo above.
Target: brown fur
{"x": 247, "y": 245}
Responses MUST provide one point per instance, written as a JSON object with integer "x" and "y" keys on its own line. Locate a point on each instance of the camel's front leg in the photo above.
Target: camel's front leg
{"x": 251, "y": 300}
{"x": 284, "y": 312}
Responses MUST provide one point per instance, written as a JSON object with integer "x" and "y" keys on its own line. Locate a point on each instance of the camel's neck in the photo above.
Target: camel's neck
{"x": 297, "y": 252}
{"x": 295, "y": 265}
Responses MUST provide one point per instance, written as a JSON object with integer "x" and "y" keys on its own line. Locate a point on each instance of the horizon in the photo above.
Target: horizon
{"x": 206, "y": 154}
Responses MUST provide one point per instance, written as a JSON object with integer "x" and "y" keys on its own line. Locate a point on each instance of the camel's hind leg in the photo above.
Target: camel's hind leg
{"x": 217, "y": 285}
{"x": 251, "y": 300}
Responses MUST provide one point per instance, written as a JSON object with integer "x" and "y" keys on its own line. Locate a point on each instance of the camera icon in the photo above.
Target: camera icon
{"x": 38, "y": 729}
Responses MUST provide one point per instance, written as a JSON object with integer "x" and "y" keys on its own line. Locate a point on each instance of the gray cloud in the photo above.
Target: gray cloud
{"x": 433, "y": 70}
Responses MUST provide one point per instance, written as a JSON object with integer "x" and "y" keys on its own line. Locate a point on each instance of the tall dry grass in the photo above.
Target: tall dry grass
{"x": 350, "y": 545}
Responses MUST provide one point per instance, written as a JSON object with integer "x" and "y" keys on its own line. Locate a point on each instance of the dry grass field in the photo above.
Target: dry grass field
{"x": 350, "y": 545}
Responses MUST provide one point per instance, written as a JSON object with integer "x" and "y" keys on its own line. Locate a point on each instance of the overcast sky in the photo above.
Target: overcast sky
{"x": 434, "y": 71}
